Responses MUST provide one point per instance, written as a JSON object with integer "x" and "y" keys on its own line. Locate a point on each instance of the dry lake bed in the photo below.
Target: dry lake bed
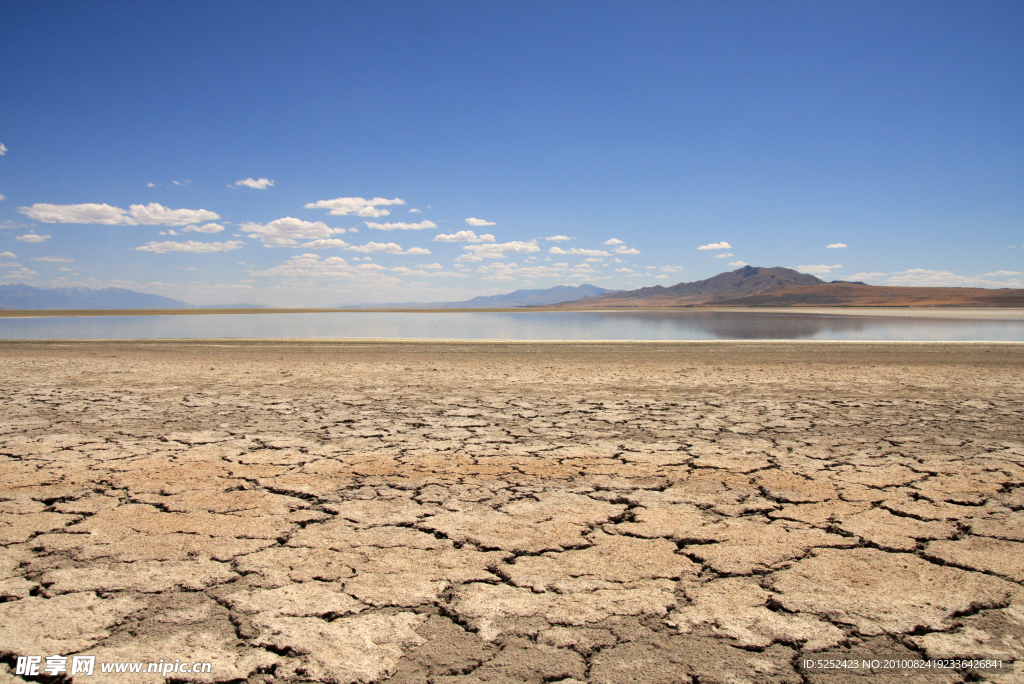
{"x": 615, "y": 513}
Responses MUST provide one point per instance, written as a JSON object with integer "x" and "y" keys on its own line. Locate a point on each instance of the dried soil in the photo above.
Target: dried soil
{"x": 481, "y": 512}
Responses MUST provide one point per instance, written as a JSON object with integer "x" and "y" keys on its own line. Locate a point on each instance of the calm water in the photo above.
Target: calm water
{"x": 646, "y": 325}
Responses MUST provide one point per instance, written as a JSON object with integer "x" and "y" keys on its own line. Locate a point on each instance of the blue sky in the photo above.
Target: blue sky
{"x": 327, "y": 153}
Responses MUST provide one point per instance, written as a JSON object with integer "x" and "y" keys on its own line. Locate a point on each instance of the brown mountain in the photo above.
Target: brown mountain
{"x": 749, "y": 280}
{"x": 859, "y": 294}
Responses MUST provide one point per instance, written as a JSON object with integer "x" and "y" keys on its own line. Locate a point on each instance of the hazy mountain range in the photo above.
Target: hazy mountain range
{"x": 747, "y": 286}
{"x": 552, "y": 295}
{"x": 23, "y": 297}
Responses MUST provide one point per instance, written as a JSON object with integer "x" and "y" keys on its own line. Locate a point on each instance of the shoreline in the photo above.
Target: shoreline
{"x": 358, "y": 341}
{"x": 966, "y": 313}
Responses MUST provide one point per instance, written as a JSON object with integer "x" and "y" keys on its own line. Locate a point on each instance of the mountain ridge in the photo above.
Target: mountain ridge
{"x": 22, "y": 297}
{"x": 540, "y": 297}
{"x": 744, "y": 281}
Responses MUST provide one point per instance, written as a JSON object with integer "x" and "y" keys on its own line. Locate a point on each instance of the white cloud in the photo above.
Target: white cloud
{"x": 622, "y": 250}
{"x": 922, "y": 277}
{"x": 820, "y": 269}
{"x": 151, "y": 214}
{"x": 593, "y": 260}
{"x": 865, "y": 276}
{"x": 8, "y": 255}
{"x": 3, "y": 149}
{"x": 464, "y": 236}
{"x": 343, "y": 206}
{"x": 208, "y": 228}
{"x": 103, "y": 214}
{"x": 329, "y": 243}
{"x": 498, "y": 250}
{"x": 723, "y": 255}
{"x": 32, "y": 237}
{"x": 20, "y": 274}
{"x": 261, "y": 184}
{"x": 312, "y": 266}
{"x": 401, "y": 226}
{"x": 624, "y": 270}
{"x": 558, "y": 238}
{"x": 613, "y": 241}
{"x": 1001, "y": 274}
{"x": 377, "y": 247}
{"x": 504, "y": 272}
{"x": 190, "y": 246}
{"x": 661, "y": 276}
{"x": 415, "y": 211}
{"x": 578, "y": 251}
{"x": 738, "y": 263}
{"x": 716, "y": 245}
{"x": 480, "y": 222}
{"x": 836, "y": 245}
{"x": 54, "y": 260}
{"x": 406, "y": 271}
{"x": 184, "y": 181}
{"x": 469, "y": 258}
{"x": 386, "y": 248}
{"x": 2, "y": 198}
{"x": 287, "y": 231}
{"x": 673, "y": 269}
{"x": 154, "y": 214}
{"x": 150, "y": 185}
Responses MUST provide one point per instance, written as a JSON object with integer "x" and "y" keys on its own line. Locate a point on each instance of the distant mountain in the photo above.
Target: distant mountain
{"x": 552, "y": 295}
{"x": 26, "y": 297}
{"x": 231, "y": 306}
{"x": 749, "y": 280}
{"x": 23, "y": 297}
{"x": 858, "y": 294}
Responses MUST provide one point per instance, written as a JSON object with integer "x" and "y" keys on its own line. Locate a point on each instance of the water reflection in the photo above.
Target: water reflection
{"x": 563, "y": 325}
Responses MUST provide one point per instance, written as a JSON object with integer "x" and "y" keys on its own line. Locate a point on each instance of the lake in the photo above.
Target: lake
{"x": 534, "y": 325}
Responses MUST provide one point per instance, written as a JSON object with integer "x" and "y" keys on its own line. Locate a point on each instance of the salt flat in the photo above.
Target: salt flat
{"x": 526, "y": 512}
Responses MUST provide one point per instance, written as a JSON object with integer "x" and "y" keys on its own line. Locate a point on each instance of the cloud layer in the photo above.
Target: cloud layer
{"x": 820, "y": 269}
{"x": 190, "y": 246}
{"x": 716, "y": 245}
{"x": 385, "y": 248}
{"x": 480, "y": 222}
{"x": 151, "y": 214}
{"x": 578, "y": 251}
{"x": 343, "y": 206}
{"x": 497, "y": 250}
{"x": 401, "y": 226}
{"x": 261, "y": 184}
{"x": 287, "y": 231}
{"x": 464, "y": 236}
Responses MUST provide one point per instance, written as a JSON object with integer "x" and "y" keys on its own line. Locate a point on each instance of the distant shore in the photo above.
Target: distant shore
{"x": 890, "y": 311}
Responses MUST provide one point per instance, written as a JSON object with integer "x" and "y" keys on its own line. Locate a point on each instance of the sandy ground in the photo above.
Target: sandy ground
{"x": 480, "y": 512}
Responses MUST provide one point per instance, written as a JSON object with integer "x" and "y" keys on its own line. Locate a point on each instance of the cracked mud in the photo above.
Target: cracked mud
{"x": 452, "y": 513}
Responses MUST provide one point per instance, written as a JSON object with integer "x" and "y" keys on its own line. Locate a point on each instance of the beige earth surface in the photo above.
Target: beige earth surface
{"x": 615, "y": 513}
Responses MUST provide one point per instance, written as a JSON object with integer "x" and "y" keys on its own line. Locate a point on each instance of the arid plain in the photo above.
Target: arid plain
{"x": 615, "y": 513}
